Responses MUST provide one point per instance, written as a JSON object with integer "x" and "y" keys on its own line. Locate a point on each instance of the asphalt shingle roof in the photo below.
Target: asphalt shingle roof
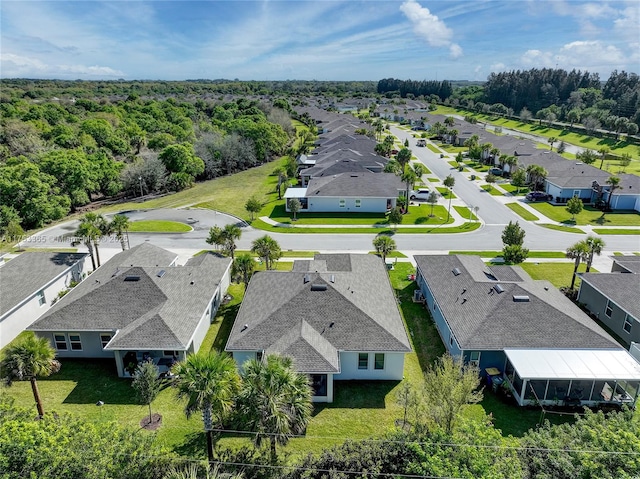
{"x": 312, "y": 315}
{"x": 149, "y": 309}
{"x": 362, "y": 184}
{"x": 481, "y": 318}
{"x": 28, "y": 273}
{"x": 621, "y": 288}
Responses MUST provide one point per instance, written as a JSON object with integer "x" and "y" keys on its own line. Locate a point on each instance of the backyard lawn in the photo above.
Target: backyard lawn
{"x": 588, "y": 216}
{"x": 559, "y": 274}
{"x": 514, "y": 190}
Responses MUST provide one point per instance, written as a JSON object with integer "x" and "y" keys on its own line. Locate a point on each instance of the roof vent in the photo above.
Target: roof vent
{"x": 318, "y": 287}
{"x": 520, "y": 298}
{"x": 192, "y": 283}
{"x": 132, "y": 278}
{"x": 456, "y": 272}
{"x": 333, "y": 278}
{"x": 161, "y": 273}
{"x": 331, "y": 324}
{"x": 306, "y": 279}
{"x": 245, "y": 327}
{"x": 499, "y": 289}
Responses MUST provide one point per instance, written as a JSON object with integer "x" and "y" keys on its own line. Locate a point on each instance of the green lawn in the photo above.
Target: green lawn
{"x": 434, "y": 180}
{"x": 558, "y": 274}
{"x": 491, "y": 190}
{"x": 435, "y": 228}
{"x": 566, "y": 229}
{"x": 433, "y": 148}
{"x": 589, "y": 216}
{"x": 465, "y": 213}
{"x": 522, "y": 211}
{"x": 446, "y": 192}
{"x": 509, "y": 188}
{"x": 393, "y": 254}
{"x": 479, "y": 167}
{"x": 498, "y": 254}
{"x": 158, "y": 226}
{"x": 614, "y": 231}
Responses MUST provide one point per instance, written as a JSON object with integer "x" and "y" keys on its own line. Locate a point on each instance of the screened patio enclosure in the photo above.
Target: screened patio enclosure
{"x": 573, "y": 377}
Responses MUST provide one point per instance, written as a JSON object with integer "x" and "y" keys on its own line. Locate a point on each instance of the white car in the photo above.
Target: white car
{"x": 419, "y": 194}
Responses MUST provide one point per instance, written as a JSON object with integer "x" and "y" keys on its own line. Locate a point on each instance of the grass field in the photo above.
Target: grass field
{"x": 433, "y": 148}
{"x": 158, "y": 226}
{"x": 615, "y": 231}
{"x": 446, "y": 192}
{"x": 498, "y": 254}
{"x": 565, "y": 229}
{"x": 522, "y": 212}
{"x": 435, "y": 228}
{"x": 588, "y": 216}
{"x": 491, "y": 190}
{"x": 465, "y": 213}
{"x": 509, "y": 188}
{"x": 558, "y": 274}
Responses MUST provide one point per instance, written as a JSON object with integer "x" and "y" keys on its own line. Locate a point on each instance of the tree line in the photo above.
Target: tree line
{"x": 425, "y": 88}
{"x": 57, "y": 156}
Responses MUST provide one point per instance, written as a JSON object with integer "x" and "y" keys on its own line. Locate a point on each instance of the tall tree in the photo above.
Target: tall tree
{"x": 403, "y": 157}
{"x": 208, "y": 382}
{"x": 275, "y": 400}
{"x": 230, "y": 234}
{"x": 587, "y": 156}
{"x": 384, "y": 245}
{"x": 595, "y": 245}
{"x": 604, "y": 151}
{"x": 294, "y": 207}
{"x": 395, "y": 216}
{"x": 614, "y": 184}
{"x": 27, "y": 359}
{"x": 551, "y": 140}
{"x": 448, "y": 387}
{"x": 215, "y": 236}
{"x": 91, "y": 229}
{"x": 267, "y": 249}
{"x": 578, "y": 252}
{"x": 243, "y": 267}
{"x": 449, "y": 182}
{"x": 253, "y": 206}
{"x": 574, "y": 207}
{"x": 519, "y": 180}
{"x": 409, "y": 177}
{"x": 513, "y": 234}
{"x": 147, "y": 383}
{"x": 432, "y": 199}
{"x": 120, "y": 226}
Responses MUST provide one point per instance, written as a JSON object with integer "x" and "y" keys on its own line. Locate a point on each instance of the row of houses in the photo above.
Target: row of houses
{"x": 337, "y": 316}
{"x": 343, "y": 174}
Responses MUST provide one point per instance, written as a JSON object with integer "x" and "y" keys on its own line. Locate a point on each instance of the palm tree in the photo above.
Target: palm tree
{"x": 537, "y": 174}
{"x": 208, "y": 382}
{"x": 384, "y": 245}
{"x": 418, "y": 169}
{"x": 92, "y": 228}
{"x": 230, "y": 233}
{"x": 512, "y": 162}
{"x": 578, "y": 252}
{"x": 614, "y": 184}
{"x": 27, "y": 359}
{"x": 243, "y": 267}
{"x": 603, "y": 155}
{"x": 409, "y": 177}
{"x": 596, "y": 245}
{"x": 449, "y": 121}
{"x": 403, "y": 157}
{"x": 268, "y": 249}
{"x": 120, "y": 226}
{"x": 551, "y": 141}
{"x": 275, "y": 401}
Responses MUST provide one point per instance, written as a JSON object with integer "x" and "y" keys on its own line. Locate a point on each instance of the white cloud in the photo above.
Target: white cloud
{"x": 594, "y": 56}
{"x": 498, "y": 67}
{"x": 537, "y": 58}
{"x": 429, "y": 27}
{"x": 18, "y": 66}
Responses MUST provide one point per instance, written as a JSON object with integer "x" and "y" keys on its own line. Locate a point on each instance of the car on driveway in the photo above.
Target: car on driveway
{"x": 537, "y": 196}
{"x": 419, "y": 194}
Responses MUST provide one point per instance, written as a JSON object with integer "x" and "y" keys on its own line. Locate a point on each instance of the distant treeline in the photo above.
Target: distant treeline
{"x": 412, "y": 88}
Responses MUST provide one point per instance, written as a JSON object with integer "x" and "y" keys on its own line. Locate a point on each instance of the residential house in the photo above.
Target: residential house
{"x": 346, "y": 192}
{"x": 544, "y": 346}
{"x": 30, "y": 284}
{"x": 335, "y": 315}
{"x": 612, "y": 298}
{"x": 139, "y": 306}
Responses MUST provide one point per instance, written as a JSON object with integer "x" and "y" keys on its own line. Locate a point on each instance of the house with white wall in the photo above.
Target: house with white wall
{"x": 30, "y": 284}
{"x": 335, "y": 315}
{"x": 139, "y": 306}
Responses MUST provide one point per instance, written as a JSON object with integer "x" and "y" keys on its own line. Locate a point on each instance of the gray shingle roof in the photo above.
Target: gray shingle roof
{"x": 341, "y": 309}
{"x": 630, "y": 263}
{"x": 362, "y": 184}
{"x": 151, "y": 311}
{"x": 481, "y": 318}
{"x": 28, "y": 273}
{"x": 621, "y": 288}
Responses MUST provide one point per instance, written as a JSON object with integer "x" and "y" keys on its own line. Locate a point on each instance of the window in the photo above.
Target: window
{"x": 104, "y": 339}
{"x": 627, "y": 324}
{"x": 363, "y": 360}
{"x": 61, "y": 341}
{"x": 358, "y": 203}
{"x": 41, "y": 298}
{"x": 474, "y": 358}
{"x": 259, "y": 356}
{"x": 378, "y": 361}
{"x": 319, "y": 384}
{"x": 74, "y": 341}
{"x": 170, "y": 354}
{"x": 608, "y": 310}
{"x": 343, "y": 203}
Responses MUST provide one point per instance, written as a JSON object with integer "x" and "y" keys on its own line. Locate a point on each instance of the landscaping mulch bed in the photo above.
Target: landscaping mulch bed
{"x": 153, "y": 424}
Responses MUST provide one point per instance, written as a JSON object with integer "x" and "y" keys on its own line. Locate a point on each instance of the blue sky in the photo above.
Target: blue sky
{"x": 314, "y": 40}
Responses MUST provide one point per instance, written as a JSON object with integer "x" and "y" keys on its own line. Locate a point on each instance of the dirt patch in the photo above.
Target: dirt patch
{"x": 153, "y": 424}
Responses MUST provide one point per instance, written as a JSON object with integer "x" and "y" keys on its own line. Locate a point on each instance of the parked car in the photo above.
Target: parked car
{"x": 421, "y": 142}
{"x": 538, "y": 196}
{"x": 419, "y": 194}
{"x": 496, "y": 171}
